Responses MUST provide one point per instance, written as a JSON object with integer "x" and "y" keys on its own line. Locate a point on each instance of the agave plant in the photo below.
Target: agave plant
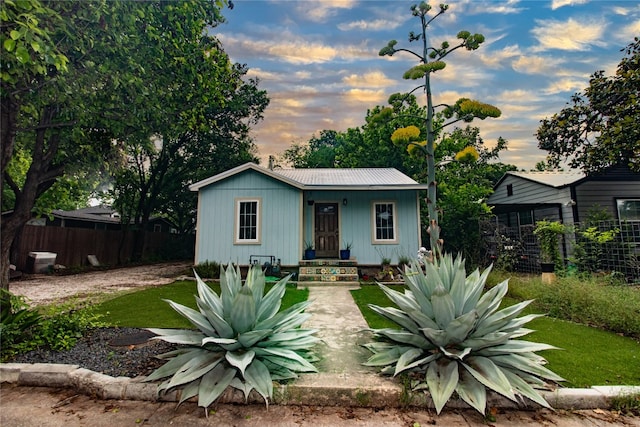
{"x": 242, "y": 341}
{"x": 454, "y": 338}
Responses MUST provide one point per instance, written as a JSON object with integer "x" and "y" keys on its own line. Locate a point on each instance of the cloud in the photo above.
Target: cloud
{"x": 380, "y": 24}
{"x": 628, "y": 32}
{"x": 320, "y": 11}
{"x": 370, "y": 79}
{"x": 366, "y": 96}
{"x": 571, "y": 34}
{"x": 535, "y": 64}
{"x": 557, "y": 4}
{"x": 565, "y": 85}
{"x": 493, "y": 7}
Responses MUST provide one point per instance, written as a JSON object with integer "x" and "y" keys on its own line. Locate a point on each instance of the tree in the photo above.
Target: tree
{"x": 73, "y": 81}
{"x": 319, "y": 152}
{"x": 466, "y": 177}
{"x": 600, "y": 128}
{"x": 430, "y": 61}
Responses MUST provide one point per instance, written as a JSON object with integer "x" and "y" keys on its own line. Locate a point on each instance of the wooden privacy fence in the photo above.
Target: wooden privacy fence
{"x": 72, "y": 245}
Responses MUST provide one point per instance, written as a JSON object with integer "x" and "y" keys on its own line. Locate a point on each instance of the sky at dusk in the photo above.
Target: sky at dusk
{"x": 318, "y": 61}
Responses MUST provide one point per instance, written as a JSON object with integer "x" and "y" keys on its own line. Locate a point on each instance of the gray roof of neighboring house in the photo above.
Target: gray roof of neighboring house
{"x": 93, "y": 213}
{"x": 550, "y": 178}
{"x": 326, "y": 178}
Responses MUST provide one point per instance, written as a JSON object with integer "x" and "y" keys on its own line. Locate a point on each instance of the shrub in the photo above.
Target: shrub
{"x": 242, "y": 340}
{"x": 208, "y": 269}
{"x": 15, "y": 326}
{"x": 452, "y": 337}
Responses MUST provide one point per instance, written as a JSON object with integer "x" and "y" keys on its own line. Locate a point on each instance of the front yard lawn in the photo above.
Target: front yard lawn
{"x": 146, "y": 308}
{"x": 589, "y": 356}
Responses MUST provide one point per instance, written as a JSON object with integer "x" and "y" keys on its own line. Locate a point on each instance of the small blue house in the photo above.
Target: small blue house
{"x": 250, "y": 212}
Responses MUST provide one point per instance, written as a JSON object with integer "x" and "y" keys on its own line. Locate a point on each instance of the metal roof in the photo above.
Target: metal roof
{"x": 551, "y": 178}
{"x": 326, "y": 178}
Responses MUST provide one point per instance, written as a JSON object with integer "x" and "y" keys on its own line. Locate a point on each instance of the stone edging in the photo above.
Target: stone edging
{"x": 385, "y": 395}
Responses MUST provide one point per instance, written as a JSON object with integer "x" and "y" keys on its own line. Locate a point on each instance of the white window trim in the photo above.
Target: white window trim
{"x": 375, "y": 240}
{"x": 236, "y": 226}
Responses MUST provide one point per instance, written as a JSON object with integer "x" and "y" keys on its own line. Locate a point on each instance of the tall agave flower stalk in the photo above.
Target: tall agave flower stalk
{"x": 242, "y": 340}
{"x": 454, "y": 338}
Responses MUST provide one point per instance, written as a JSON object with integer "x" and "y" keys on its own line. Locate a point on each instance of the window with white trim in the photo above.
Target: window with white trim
{"x": 247, "y": 229}
{"x": 628, "y": 209}
{"x": 384, "y": 222}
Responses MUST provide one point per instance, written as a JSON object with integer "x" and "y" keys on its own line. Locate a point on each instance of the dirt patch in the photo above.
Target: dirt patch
{"x": 42, "y": 289}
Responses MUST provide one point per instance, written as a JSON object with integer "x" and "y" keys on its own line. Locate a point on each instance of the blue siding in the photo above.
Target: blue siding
{"x": 356, "y": 222}
{"x": 280, "y": 220}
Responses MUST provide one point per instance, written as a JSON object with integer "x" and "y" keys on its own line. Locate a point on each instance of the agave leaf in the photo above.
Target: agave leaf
{"x": 302, "y": 343}
{"x": 195, "y": 368}
{"x": 221, "y": 326}
{"x": 516, "y": 346}
{"x": 438, "y": 337}
{"x": 287, "y": 354}
{"x": 472, "y": 391}
{"x": 243, "y": 315}
{"x": 406, "y": 358}
{"x": 459, "y": 328}
{"x": 489, "y": 374}
{"x": 293, "y": 322}
{"x": 230, "y": 284}
{"x": 515, "y": 324}
{"x": 213, "y": 384}
{"x": 219, "y": 341}
{"x": 259, "y": 377}
{"x": 396, "y": 316}
{"x": 499, "y": 319}
{"x": 173, "y": 365}
{"x": 430, "y": 358}
{"x": 240, "y": 359}
{"x": 418, "y": 293}
{"x": 245, "y": 388}
{"x": 186, "y": 337}
{"x": 208, "y": 295}
{"x": 442, "y": 379}
{"x": 423, "y": 320}
{"x": 250, "y": 338}
{"x": 283, "y": 317}
{"x": 474, "y": 285}
{"x": 491, "y": 300}
{"x": 292, "y": 335}
{"x": 270, "y": 304}
{"x": 416, "y": 278}
{"x": 443, "y": 307}
{"x": 173, "y": 353}
{"x": 288, "y": 364}
{"x": 256, "y": 281}
{"x": 494, "y": 338}
{"x": 432, "y": 276}
{"x": 457, "y": 288}
{"x": 404, "y": 337}
{"x": 404, "y": 302}
{"x": 455, "y": 353}
{"x": 521, "y": 363}
{"x": 189, "y": 390}
{"x": 195, "y": 317}
{"x": 525, "y": 389}
{"x": 386, "y": 357}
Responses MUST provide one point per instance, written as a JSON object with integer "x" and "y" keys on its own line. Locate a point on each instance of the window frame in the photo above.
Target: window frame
{"x": 374, "y": 223}
{"x": 620, "y": 202}
{"x": 236, "y": 218}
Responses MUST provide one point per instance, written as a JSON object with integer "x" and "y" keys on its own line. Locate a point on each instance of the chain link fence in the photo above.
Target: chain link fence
{"x": 599, "y": 247}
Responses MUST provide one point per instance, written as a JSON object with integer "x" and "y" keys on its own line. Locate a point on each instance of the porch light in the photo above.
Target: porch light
{"x": 344, "y": 202}
{"x": 310, "y": 202}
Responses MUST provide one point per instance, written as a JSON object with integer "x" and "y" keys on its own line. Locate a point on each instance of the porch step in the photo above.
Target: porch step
{"x": 328, "y": 272}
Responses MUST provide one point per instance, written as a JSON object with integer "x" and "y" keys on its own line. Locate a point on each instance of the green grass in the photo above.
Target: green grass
{"x": 589, "y": 356}
{"x": 146, "y": 308}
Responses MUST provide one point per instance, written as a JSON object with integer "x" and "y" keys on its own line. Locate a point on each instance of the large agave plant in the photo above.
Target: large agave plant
{"x": 454, "y": 338}
{"x": 242, "y": 341}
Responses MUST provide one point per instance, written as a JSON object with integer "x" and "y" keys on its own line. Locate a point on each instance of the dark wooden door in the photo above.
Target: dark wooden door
{"x": 326, "y": 230}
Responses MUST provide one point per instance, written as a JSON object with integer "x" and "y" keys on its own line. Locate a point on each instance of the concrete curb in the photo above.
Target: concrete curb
{"x": 326, "y": 390}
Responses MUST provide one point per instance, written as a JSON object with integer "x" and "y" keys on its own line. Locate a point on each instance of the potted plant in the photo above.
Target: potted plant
{"x": 309, "y": 251}
{"x": 346, "y": 252}
{"x": 547, "y": 233}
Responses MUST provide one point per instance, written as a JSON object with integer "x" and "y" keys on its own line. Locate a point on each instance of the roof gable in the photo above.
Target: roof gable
{"x": 326, "y": 178}
{"x": 555, "y": 179}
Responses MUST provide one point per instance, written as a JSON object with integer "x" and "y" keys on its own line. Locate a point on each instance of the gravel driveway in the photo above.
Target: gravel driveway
{"x": 44, "y": 289}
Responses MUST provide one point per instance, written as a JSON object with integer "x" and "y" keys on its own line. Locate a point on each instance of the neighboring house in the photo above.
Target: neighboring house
{"x": 254, "y": 211}
{"x": 522, "y": 198}
{"x": 97, "y": 218}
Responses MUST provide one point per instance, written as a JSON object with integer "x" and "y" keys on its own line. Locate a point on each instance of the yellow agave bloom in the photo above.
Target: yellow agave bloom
{"x": 412, "y": 148}
{"x": 469, "y": 154}
{"x": 404, "y": 135}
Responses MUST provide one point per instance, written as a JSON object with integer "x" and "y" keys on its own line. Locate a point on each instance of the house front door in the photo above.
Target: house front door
{"x": 326, "y": 230}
